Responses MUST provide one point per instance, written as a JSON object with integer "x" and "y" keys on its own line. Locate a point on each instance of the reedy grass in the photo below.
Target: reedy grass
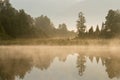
{"x": 60, "y": 42}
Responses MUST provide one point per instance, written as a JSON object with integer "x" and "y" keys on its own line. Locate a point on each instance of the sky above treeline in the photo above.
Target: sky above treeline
{"x": 66, "y": 11}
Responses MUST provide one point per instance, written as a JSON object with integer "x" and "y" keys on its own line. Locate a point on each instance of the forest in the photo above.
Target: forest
{"x": 109, "y": 29}
{"x": 17, "y": 24}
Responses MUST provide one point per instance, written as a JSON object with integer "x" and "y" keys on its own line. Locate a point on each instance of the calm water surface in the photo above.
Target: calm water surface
{"x": 59, "y": 63}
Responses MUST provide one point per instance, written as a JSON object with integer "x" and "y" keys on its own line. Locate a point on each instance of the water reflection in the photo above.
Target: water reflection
{"x": 17, "y": 64}
{"x": 111, "y": 63}
{"x": 81, "y": 60}
{"x": 14, "y": 66}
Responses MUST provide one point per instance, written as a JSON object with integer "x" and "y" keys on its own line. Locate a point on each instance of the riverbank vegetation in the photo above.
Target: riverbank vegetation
{"x": 62, "y": 42}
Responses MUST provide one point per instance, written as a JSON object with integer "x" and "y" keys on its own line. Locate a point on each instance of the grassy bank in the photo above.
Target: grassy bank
{"x": 60, "y": 42}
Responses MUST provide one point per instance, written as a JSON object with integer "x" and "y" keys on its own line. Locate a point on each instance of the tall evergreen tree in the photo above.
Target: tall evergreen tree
{"x": 91, "y": 32}
{"x": 81, "y": 25}
{"x": 97, "y": 32}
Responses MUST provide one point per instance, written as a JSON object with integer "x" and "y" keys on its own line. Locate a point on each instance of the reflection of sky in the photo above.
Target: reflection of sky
{"x": 66, "y": 10}
{"x": 67, "y": 71}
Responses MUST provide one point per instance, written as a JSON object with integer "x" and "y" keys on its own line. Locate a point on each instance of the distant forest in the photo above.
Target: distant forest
{"x": 18, "y": 24}
{"x": 109, "y": 29}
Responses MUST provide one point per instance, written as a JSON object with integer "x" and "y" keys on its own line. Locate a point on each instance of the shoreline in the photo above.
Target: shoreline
{"x": 61, "y": 42}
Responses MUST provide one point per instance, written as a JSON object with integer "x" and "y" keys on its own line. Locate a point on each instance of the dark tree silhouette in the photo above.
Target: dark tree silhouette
{"x": 44, "y": 23}
{"x": 15, "y": 23}
{"x": 97, "y": 32}
{"x": 15, "y": 67}
{"x": 113, "y": 67}
{"x": 91, "y": 32}
{"x": 112, "y": 24}
{"x": 81, "y": 25}
{"x": 81, "y": 64}
{"x": 63, "y": 27}
{"x": 18, "y": 24}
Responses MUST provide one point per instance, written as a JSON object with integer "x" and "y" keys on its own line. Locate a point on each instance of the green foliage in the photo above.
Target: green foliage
{"x": 97, "y": 32}
{"x": 44, "y": 24}
{"x": 112, "y": 24}
{"x": 81, "y": 25}
{"x": 110, "y": 29}
{"x": 62, "y": 31}
{"x": 15, "y": 23}
{"x": 63, "y": 27}
{"x": 91, "y": 32}
{"x": 18, "y": 24}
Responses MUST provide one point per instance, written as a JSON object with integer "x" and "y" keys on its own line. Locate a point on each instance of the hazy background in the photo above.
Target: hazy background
{"x": 66, "y": 11}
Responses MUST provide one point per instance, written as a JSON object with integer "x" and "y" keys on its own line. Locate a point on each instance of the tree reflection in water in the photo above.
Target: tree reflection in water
{"x": 81, "y": 60}
{"x": 113, "y": 66}
{"x": 10, "y": 67}
{"x": 18, "y": 65}
{"x": 111, "y": 62}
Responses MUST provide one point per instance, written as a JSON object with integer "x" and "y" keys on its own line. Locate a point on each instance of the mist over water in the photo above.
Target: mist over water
{"x": 59, "y": 62}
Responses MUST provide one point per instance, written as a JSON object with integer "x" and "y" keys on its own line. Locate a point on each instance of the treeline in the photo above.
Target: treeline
{"x": 18, "y": 24}
{"x": 109, "y": 29}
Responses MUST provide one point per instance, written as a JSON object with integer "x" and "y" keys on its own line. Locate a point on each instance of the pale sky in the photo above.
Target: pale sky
{"x": 66, "y": 11}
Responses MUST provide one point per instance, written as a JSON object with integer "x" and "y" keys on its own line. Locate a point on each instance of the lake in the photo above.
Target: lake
{"x": 59, "y": 63}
